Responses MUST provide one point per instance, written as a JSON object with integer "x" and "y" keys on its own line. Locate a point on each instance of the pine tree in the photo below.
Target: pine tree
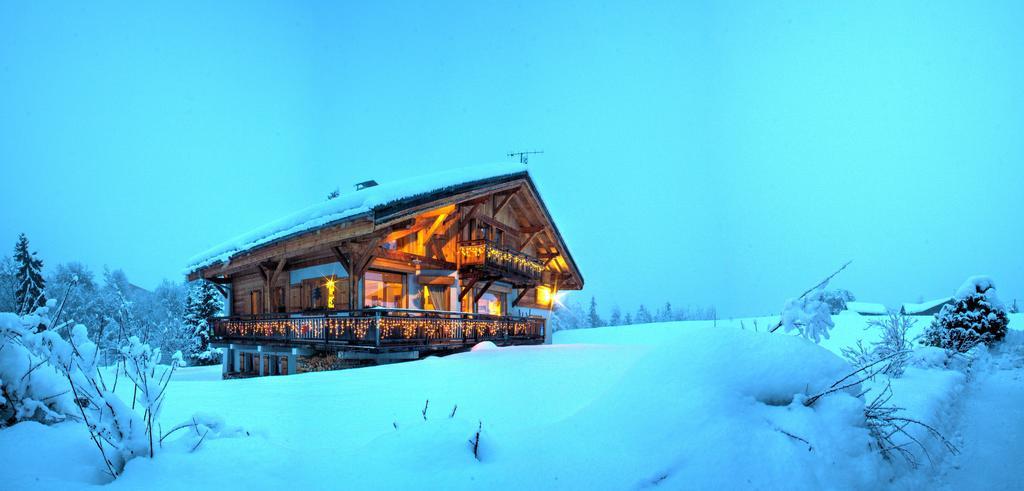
{"x": 29, "y": 296}
{"x": 592, "y": 317}
{"x": 8, "y": 284}
{"x": 975, "y": 316}
{"x": 628, "y": 320}
{"x": 666, "y": 314}
{"x": 616, "y": 318}
{"x": 204, "y": 301}
{"x": 643, "y": 316}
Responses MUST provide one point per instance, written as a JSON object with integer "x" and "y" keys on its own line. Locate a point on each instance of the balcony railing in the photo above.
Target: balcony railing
{"x": 490, "y": 258}
{"x": 380, "y": 327}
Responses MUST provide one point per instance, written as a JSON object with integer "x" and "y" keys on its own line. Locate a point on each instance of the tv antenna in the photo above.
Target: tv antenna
{"x": 524, "y": 157}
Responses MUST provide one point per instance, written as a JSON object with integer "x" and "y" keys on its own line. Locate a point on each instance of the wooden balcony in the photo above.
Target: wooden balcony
{"x": 380, "y": 328}
{"x": 488, "y": 261}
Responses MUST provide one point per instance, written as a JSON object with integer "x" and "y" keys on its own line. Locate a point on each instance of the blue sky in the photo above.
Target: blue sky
{"x": 726, "y": 153}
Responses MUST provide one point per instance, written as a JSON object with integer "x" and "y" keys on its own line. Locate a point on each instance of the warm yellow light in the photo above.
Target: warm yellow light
{"x": 330, "y": 293}
{"x": 544, "y": 295}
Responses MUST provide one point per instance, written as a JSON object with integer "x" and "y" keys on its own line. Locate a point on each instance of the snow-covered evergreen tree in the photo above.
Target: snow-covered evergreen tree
{"x": 8, "y": 284}
{"x": 628, "y": 319}
{"x": 30, "y": 295}
{"x": 836, "y": 299}
{"x": 643, "y": 316}
{"x": 975, "y": 316}
{"x": 665, "y": 314}
{"x": 616, "y": 318}
{"x": 164, "y": 313}
{"x": 593, "y": 318}
{"x": 204, "y": 301}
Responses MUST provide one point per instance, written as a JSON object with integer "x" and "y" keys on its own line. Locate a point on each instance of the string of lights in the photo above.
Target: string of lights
{"x": 476, "y": 254}
{"x": 390, "y": 327}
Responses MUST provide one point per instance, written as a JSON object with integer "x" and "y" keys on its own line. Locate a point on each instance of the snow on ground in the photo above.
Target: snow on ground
{"x": 676, "y": 405}
{"x": 991, "y": 431}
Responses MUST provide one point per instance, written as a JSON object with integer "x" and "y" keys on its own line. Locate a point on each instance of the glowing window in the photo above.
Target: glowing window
{"x": 384, "y": 290}
{"x": 490, "y": 303}
{"x": 435, "y": 297}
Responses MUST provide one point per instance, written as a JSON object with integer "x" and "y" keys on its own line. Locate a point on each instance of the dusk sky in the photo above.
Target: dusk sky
{"x": 720, "y": 153}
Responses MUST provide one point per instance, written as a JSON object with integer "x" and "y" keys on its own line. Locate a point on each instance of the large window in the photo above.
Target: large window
{"x": 435, "y": 297}
{"x": 491, "y": 303}
{"x": 382, "y": 289}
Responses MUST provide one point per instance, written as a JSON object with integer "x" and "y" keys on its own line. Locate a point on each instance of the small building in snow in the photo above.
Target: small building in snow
{"x": 930, "y": 307}
{"x": 867, "y": 308}
{"x": 391, "y": 271}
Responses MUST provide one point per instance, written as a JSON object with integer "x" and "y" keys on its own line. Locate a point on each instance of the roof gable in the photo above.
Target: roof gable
{"x": 364, "y": 202}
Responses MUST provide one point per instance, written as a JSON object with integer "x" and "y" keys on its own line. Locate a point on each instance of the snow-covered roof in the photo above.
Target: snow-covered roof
{"x": 350, "y": 205}
{"x": 917, "y": 308}
{"x": 866, "y": 308}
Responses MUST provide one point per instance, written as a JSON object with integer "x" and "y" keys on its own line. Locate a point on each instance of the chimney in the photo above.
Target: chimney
{"x": 366, "y": 184}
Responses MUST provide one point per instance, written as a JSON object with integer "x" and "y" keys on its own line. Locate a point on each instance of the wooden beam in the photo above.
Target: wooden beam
{"x": 522, "y": 293}
{"x": 467, "y": 288}
{"x": 479, "y": 294}
{"x": 277, "y": 270}
{"x": 529, "y": 238}
{"x": 219, "y": 280}
{"x": 264, "y": 273}
{"x": 508, "y": 197}
{"x": 437, "y": 223}
{"x": 342, "y": 258}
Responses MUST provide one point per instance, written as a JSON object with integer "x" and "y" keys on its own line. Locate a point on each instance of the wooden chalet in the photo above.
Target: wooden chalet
{"x": 391, "y": 272}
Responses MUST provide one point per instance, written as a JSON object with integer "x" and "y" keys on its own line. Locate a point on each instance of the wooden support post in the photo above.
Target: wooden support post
{"x": 466, "y": 289}
{"x": 522, "y": 293}
{"x": 480, "y": 294}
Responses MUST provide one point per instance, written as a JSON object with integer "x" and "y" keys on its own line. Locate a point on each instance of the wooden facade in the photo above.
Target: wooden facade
{"x": 433, "y": 272}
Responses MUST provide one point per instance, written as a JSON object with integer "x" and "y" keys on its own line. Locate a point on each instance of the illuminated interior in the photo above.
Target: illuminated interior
{"x": 384, "y": 290}
{"x": 544, "y": 296}
{"x": 490, "y": 303}
{"x": 435, "y": 297}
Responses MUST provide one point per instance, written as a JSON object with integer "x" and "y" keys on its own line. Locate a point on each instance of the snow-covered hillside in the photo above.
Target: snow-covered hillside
{"x": 676, "y": 405}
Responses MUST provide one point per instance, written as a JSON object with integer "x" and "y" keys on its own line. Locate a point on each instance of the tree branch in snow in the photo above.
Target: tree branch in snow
{"x": 806, "y": 314}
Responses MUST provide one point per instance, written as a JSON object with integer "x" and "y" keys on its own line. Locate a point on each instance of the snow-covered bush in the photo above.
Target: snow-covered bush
{"x": 894, "y": 346}
{"x": 119, "y": 432}
{"x": 47, "y": 378}
{"x": 836, "y": 299}
{"x": 810, "y": 315}
{"x": 30, "y": 388}
{"x": 975, "y": 316}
